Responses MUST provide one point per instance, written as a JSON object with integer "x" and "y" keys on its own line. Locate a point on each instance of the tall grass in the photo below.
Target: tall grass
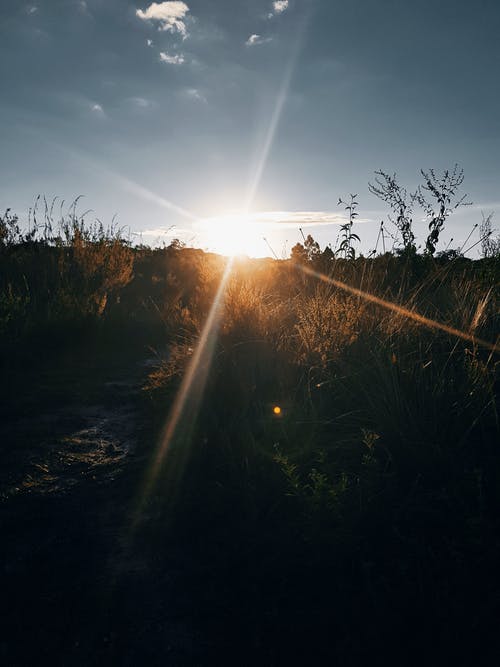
{"x": 69, "y": 271}
{"x": 368, "y": 498}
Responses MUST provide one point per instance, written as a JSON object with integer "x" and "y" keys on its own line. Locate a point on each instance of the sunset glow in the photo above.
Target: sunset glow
{"x": 233, "y": 234}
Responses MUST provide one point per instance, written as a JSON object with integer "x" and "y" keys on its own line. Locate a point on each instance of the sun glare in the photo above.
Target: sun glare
{"x": 232, "y": 234}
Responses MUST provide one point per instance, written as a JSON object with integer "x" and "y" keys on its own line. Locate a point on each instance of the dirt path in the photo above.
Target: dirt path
{"x": 86, "y": 432}
{"x": 72, "y": 469}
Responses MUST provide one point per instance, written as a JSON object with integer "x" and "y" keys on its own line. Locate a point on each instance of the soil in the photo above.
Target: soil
{"x": 76, "y": 590}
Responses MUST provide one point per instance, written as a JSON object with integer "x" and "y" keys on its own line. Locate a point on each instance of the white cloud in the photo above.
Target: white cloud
{"x": 140, "y": 102}
{"x": 254, "y": 40}
{"x": 176, "y": 59}
{"x": 170, "y": 15}
{"x": 149, "y": 42}
{"x": 280, "y": 6}
{"x": 194, "y": 94}
{"x": 293, "y": 219}
{"x": 275, "y": 220}
{"x": 31, "y": 9}
{"x": 97, "y": 109}
{"x": 83, "y": 7}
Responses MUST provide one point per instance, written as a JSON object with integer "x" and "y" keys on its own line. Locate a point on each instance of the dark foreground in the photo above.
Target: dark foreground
{"x": 237, "y": 570}
{"x": 359, "y": 524}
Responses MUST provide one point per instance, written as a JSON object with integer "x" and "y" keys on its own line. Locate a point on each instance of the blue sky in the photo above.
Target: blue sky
{"x": 167, "y": 114}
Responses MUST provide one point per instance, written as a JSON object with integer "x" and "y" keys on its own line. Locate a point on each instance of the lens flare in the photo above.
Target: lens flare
{"x": 277, "y": 112}
{"x": 175, "y": 440}
{"x": 127, "y": 184}
{"x": 400, "y": 310}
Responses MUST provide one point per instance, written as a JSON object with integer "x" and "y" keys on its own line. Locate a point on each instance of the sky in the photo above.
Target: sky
{"x": 214, "y": 119}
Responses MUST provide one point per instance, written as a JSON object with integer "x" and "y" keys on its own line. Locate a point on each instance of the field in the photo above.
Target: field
{"x": 212, "y": 461}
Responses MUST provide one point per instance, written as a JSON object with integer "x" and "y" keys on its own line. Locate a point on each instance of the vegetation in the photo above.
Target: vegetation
{"x": 438, "y": 197}
{"x": 346, "y": 248}
{"x": 400, "y": 202}
{"x": 329, "y": 485}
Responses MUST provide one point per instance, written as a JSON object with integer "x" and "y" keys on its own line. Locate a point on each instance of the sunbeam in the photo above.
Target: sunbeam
{"x": 400, "y": 310}
{"x": 127, "y": 184}
{"x": 181, "y": 420}
{"x": 275, "y": 116}
{"x": 271, "y": 131}
{"x": 134, "y": 188}
{"x": 148, "y": 195}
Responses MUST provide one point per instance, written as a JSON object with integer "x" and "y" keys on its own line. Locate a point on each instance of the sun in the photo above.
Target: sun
{"x": 232, "y": 234}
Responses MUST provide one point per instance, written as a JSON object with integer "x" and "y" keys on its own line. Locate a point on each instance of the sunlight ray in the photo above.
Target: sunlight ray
{"x": 127, "y": 184}
{"x": 400, "y": 310}
{"x": 182, "y": 417}
{"x": 275, "y": 116}
{"x": 271, "y": 131}
{"x": 149, "y": 195}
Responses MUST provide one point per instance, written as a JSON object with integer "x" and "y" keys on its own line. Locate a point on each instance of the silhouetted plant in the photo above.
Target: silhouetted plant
{"x": 312, "y": 248}
{"x": 449, "y": 255}
{"x": 10, "y": 231}
{"x": 401, "y": 202}
{"x": 439, "y": 203}
{"x": 59, "y": 269}
{"x": 309, "y": 251}
{"x": 490, "y": 246}
{"x": 299, "y": 254}
{"x": 326, "y": 259}
{"x": 346, "y": 248}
